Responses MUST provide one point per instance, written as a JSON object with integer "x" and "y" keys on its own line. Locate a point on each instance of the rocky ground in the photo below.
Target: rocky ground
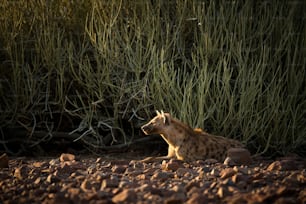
{"x": 70, "y": 179}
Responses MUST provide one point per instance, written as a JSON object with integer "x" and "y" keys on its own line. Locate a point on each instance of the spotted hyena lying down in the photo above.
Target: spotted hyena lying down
{"x": 186, "y": 143}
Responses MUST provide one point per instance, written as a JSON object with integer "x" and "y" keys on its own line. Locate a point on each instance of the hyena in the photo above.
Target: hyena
{"x": 186, "y": 143}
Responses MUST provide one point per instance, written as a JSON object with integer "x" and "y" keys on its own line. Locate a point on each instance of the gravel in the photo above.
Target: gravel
{"x": 72, "y": 179}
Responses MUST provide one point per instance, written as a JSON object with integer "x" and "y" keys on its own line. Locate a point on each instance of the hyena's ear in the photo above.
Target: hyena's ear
{"x": 157, "y": 112}
{"x": 166, "y": 118}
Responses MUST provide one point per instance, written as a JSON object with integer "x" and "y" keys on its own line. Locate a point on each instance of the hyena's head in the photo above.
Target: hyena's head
{"x": 158, "y": 124}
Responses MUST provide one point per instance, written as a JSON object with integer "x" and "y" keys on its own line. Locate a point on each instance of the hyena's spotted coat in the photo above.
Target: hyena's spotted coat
{"x": 186, "y": 143}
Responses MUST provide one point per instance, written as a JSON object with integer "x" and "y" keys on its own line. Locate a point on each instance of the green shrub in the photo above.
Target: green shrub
{"x": 98, "y": 69}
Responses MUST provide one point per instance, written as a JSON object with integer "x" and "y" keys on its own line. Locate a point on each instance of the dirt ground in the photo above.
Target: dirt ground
{"x": 110, "y": 179}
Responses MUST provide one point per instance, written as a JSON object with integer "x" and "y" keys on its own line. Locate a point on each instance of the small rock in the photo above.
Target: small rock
{"x": 156, "y": 191}
{"x": 126, "y": 184}
{"x": 194, "y": 190}
{"x": 302, "y": 196}
{"x": 57, "y": 198}
{"x": 229, "y": 161}
{"x": 174, "y": 199}
{"x": 53, "y": 179}
{"x": 233, "y": 189}
{"x": 215, "y": 172}
{"x": 178, "y": 188}
{"x": 258, "y": 176}
{"x": 222, "y": 192}
{"x": 281, "y": 190}
{"x": 119, "y": 162}
{"x": 136, "y": 164}
{"x": 284, "y": 165}
{"x": 126, "y": 196}
{"x": 243, "y": 170}
{"x": 54, "y": 162}
{"x": 226, "y": 173}
{"x": 4, "y": 161}
{"x": 191, "y": 184}
{"x": 74, "y": 193}
{"x": 144, "y": 188}
{"x": 21, "y": 172}
{"x": 228, "y": 182}
{"x": 162, "y": 176}
{"x": 181, "y": 172}
{"x": 110, "y": 183}
{"x": 150, "y": 171}
{"x": 172, "y": 165}
{"x": 213, "y": 185}
{"x": 119, "y": 169}
{"x": 67, "y": 157}
{"x": 37, "y": 181}
{"x": 206, "y": 169}
{"x": 39, "y": 164}
{"x": 288, "y": 200}
{"x": 99, "y": 160}
{"x": 152, "y": 197}
{"x": 210, "y": 161}
{"x": 64, "y": 170}
{"x": 238, "y": 156}
{"x": 197, "y": 199}
{"x": 86, "y": 185}
{"x": 92, "y": 169}
{"x": 240, "y": 177}
{"x": 133, "y": 172}
{"x": 143, "y": 177}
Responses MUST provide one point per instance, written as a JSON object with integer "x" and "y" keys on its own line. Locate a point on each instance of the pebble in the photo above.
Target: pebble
{"x": 175, "y": 199}
{"x": 215, "y": 172}
{"x": 192, "y": 184}
{"x": 240, "y": 177}
{"x": 86, "y": 185}
{"x": 67, "y": 157}
{"x": 238, "y": 156}
{"x": 222, "y": 192}
{"x": 126, "y": 196}
{"x": 182, "y": 172}
{"x": 284, "y": 165}
{"x": 54, "y": 162}
{"x": 197, "y": 199}
{"x": 52, "y": 178}
{"x": 162, "y": 176}
{"x": 119, "y": 169}
{"x": 172, "y": 165}
{"x": 21, "y": 172}
{"x": 110, "y": 183}
{"x": 228, "y": 172}
{"x": 210, "y": 161}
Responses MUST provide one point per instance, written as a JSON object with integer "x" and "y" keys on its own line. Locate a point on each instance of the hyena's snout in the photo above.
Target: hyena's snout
{"x": 147, "y": 129}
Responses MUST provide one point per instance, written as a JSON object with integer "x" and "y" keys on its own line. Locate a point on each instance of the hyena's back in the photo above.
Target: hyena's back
{"x": 202, "y": 145}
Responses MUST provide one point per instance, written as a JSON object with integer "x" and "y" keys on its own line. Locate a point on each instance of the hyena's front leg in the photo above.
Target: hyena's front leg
{"x": 171, "y": 154}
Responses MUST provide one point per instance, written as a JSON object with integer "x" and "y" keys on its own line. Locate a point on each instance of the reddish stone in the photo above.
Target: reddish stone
{"x": 67, "y": 157}
{"x": 197, "y": 199}
{"x": 21, "y": 172}
{"x": 226, "y": 173}
{"x": 284, "y": 165}
{"x": 238, "y": 156}
{"x": 126, "y": 196}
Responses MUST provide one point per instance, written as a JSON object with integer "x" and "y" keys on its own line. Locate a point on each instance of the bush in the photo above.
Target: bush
{"x": 98, "y": 69}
